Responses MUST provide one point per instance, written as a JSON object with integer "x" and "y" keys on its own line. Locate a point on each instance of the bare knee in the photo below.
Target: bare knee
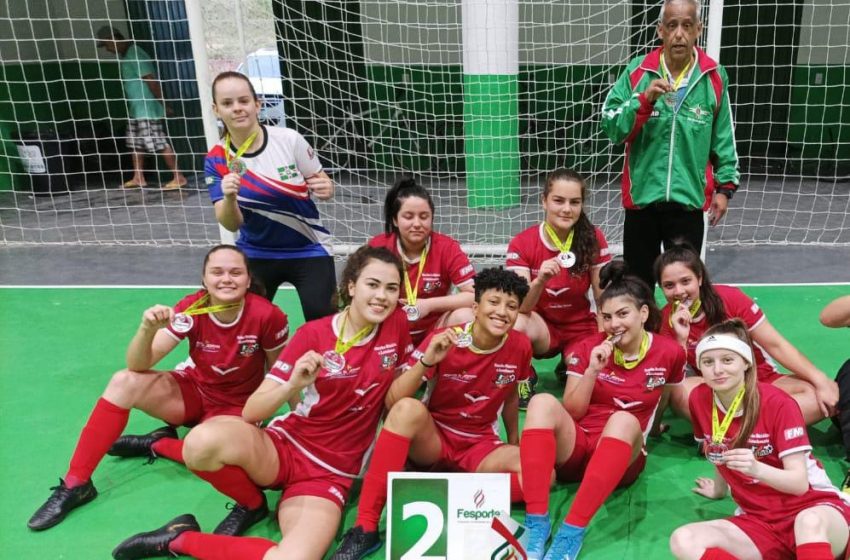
{"x": 406, "y": 416}
{"x": 810, "y": 526}
{"x": 125, "y": 387}
{"x": 542, "y": 412}
{"x": 202, "y": 447}
{"x": 682, "y": 541}
{"x": 623, "y": 422}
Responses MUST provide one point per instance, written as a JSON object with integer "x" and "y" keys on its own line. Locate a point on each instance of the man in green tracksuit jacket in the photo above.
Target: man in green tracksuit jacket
{"x": 671, "y": 110}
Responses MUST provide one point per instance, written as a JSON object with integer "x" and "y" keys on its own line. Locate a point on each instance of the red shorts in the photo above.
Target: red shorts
{"x": 562, "y": 336}
{"x": 299, "y": 476}
{"x": 463, "y": 453}
{"x": 775, "y": 540}
{"x": 585, "y": 445}
{"x": 197, "y": 406}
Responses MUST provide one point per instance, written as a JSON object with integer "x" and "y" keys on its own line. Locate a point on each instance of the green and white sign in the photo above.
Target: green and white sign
{"x": 446, "y": 516}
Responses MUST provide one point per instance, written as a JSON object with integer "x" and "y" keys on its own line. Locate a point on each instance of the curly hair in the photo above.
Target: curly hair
{"x": 585, "y": 245}
{"x": 505, "y": 281}
{"x": 357, "y": 262}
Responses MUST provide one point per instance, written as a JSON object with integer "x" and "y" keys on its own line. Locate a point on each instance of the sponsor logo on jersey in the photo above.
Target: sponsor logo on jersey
{"x": 611, "y": 377}
{"x": 205, "y": 346}
{"x": 754, "y": 308}
{"x": 287, "y": 172}
{"x": 503, "y": 379}
{"x": 282, "y": 333}
{"x": 248, "y": 348}
{"x": 332, "y": 489}
{"x": 794, "y": 433}
{"x": 466, "y": 270}
{"x": 459, "y": 377}
{"x": 513, "y": 256}
{"x": 209, "y": 180}
{"x": 283, "y": 366}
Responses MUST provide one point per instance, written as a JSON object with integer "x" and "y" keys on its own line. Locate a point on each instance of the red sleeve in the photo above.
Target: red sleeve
{"x": 275, "y": 329}
{"x": 578, "y": 359}
{"x": 680, "y": 361}
{"x": 738, "y": 304}
{"x": 696, "y": 417}
{"x": 416, "y": 354}
{"x": 458, "y": 265}
{"x": 604, "y": 254}
{"x": 517, "y": 258}
{"x": 787, "y": 425}
{"x": 379, "y": 240}
{"x": 297, "y": 347}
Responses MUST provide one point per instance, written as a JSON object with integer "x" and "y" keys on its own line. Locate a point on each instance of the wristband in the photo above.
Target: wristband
{"x": 726, "y": 191}
{"x": 425, "y": 364}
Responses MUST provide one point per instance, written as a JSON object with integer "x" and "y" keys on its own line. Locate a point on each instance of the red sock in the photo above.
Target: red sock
{"x": 604, "y": 471}
{"x": 537, "y": 456}
{"x": 389, "y": 456}
{"x": 233, "y": 481}
{"x": 220, "y": 547}
{"x": 170, "y": 448}
{"x": 814, "y": 551}
{"x": 103, "y": 427}
{"x": 717, "y": 554}
{"x": 516, "y": 488}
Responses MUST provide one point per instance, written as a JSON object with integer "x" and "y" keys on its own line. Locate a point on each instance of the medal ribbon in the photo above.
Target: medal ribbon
{"x": 341, "y": 346}
{"x": 410, "y": 290}
{"x": 197, "y": 307}
{"x": 693, "y": 309}
{"x": 620, "y": 359}
{"x": 718, "y": 429}
{"x": 468, "y": 329}
{"x": 562, "y": 247}
{"x": 242, "y": 149}
{"x": 682, "y": 74}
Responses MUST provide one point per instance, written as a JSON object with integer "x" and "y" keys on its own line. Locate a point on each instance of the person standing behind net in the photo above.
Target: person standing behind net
{"x": 261, "y": 181}
{"x": 671, "y": 110}
{"x": 146, "y": 126}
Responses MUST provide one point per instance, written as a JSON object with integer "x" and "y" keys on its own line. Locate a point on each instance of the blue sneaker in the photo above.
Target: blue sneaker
{"x": 566, "y": 543}
{"x": 538, "y": 533}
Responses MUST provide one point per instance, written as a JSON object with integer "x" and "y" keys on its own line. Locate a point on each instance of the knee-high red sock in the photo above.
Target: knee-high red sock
{"x": 604, "y": 471}
{"x": 814, "y": 551}
{"x": 233, "y": 481}
{"x": 389, "y": 456}
{"x": 103, "y": 427}
{"x": 716, "y": 554}
{"x": 220, "y": 547}
{"x": 537, "y": 457}
{"x": 516, "y": 488}
{"x": 170, "y": 448}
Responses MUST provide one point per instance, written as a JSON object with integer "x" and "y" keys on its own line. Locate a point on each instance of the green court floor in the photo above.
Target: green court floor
{"x": 58, "y": 348}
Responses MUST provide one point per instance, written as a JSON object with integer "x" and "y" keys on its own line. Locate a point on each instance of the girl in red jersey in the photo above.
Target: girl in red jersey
{"x": 343, "y": 365}
{"x": 472, "y": 371}
{"x": 234, "y": 337}
{"x": 596, "y": 433}
{"x": 433, "y": 262}
{"x": 560, "y": 259}
{"x": 262, "y": 182}
{"x": 684, "y": 279}
{"x": 756, "y": 438}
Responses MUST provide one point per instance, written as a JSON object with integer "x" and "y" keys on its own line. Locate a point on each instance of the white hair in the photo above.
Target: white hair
{"x": 696, "y": 3}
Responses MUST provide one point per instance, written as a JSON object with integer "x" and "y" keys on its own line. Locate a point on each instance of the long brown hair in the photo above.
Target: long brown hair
{"x": 683, "y": 252}
{"x": 357, "y": 262}
{"x": 615, "y": 281}
{"x": 751, "y": 403}
{"x": 231, "y": 74}
{"x": 585, "y": 245}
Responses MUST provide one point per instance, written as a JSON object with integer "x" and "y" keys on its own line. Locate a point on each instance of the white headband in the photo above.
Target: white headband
{"x": 724, "y": 342}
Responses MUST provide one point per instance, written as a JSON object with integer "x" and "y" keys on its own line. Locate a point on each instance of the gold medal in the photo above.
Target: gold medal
{"x": 235, "y": 164}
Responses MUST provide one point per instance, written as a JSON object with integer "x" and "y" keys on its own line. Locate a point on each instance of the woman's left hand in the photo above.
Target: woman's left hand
{"x": 321, "y": 186}
{"x": 743, "y": 461}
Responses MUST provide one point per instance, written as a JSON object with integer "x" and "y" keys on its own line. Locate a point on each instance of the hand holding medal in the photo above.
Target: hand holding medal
{"x": 305, "y": 370}
{"x": 182, "y": 322}
{"x": 566, "y": 258}
{"x": 334, "y": 360}
{"x": 236, "y": 164}
{"x": 464, "y": 336}
{"x": 716, "y": 450}
{"x": 601, "y": 353}
{"x": 157, "y": 317}
{"x": 439, "y": 347}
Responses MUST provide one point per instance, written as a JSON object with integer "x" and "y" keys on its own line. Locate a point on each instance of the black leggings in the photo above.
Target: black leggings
{"x": 314, "y": 278}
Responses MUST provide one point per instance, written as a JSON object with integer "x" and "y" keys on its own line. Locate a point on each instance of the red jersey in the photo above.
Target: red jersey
{"x": 228, "y": 361}
{"x": 565, "y": 298}
{"x": 467, "y": 390}
{"x": 337, "y": 420}
{"x": 779, "y": 431}
{"x": 635, "y": 390}
{"x": 446, "y": 264}
{"x": 738, "y": 305}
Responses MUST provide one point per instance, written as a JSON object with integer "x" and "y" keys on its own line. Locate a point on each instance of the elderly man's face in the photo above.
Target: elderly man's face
{"x": 680, "y": 29}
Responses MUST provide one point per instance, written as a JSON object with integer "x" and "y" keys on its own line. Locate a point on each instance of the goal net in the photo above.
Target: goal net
{"x": 478, "y": 99}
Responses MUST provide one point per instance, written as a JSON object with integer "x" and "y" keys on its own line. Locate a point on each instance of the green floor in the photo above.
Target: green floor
{"x": 58, "y": 348}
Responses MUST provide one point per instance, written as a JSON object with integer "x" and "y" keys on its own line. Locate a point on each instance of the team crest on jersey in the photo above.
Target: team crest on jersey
{"x": 429, "y": 287}
{"x": 248, "y": 348}
{"x": 762, "y": 450}
{"x": 503, "y": 378}
{"x": 389, "y": 360}
{"x": 287, "y": 172}
{"x": 654, "y": 381}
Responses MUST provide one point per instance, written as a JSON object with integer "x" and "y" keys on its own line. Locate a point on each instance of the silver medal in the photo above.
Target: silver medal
{"x": 333, "y": 361}
{"x": 566, "y": 259}
{"x": 412, "y": 312}
{"x": 714, "y": 452}
{"x": 464, "y": 339}
{"x": 182, "y": 323}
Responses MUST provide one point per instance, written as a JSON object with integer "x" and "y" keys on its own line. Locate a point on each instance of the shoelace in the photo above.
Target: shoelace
{"x": 560, "y": 547}
{"x": 538, "y": 533}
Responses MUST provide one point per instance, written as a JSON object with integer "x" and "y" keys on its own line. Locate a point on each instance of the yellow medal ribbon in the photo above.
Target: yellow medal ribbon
{"x": 693, "y": 309}
{"x": 718, "y": 429}
{"x": 341, "y": 346}
{"x": 562, "y": 247}
{"x": 197, "y": 308}
{"x": 682, "y": 74}
{"x": 410, "y": 289}
{"x": 467, "y": 330}
{"x": 620, "y": 359}
{"x": 242, "y": 149}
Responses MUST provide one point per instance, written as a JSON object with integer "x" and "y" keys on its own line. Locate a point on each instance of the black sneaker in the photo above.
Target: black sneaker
{"x": 155, "y": 543}
{"x": 60, "y": 504}
{"x": 140, "y": 446}
{"x": 241, "y": 519}
{"x": 356, "y": 544}
{"x": 526, "y": 390}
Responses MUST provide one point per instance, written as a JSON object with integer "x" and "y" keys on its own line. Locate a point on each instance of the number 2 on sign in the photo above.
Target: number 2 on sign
{"x": 434, "y": 523}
